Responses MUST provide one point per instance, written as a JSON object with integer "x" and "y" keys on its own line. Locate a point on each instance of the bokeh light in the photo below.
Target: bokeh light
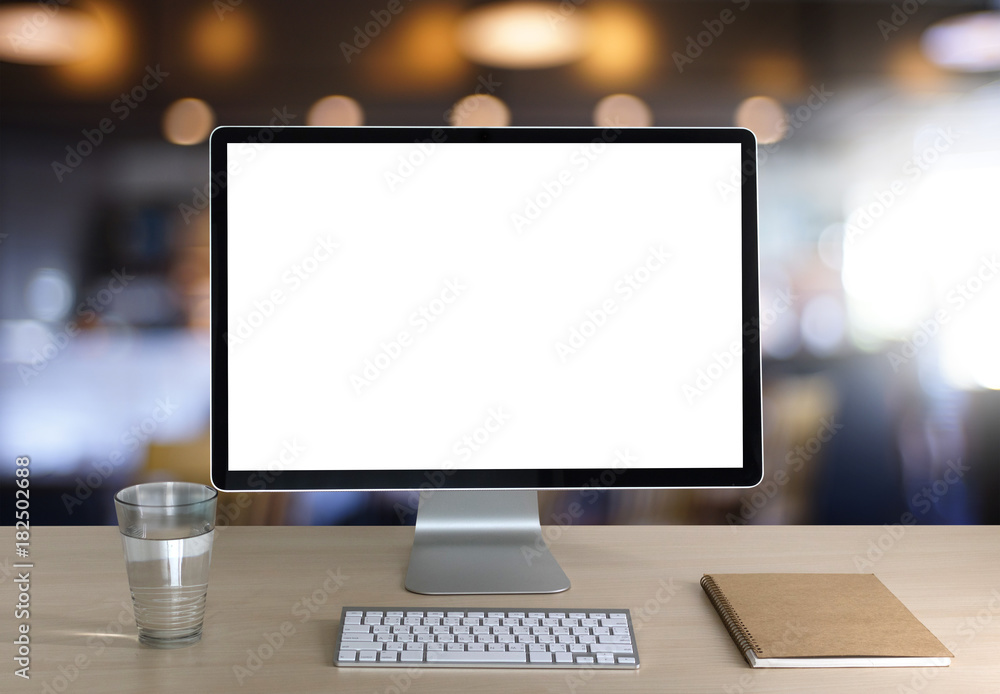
{"x": 523, "y": 34}
{"x": 223, "y": 45}
{"x": 621, "y": 45}
{"x": 336, "y": 110}
{"x": 968, "y": 42}
{"x": 38, "y": 34}
{"x": 480, "y": 110}
{"x": 623, "y": 110}
{"x": 188, "y": 121}
{"x": 764, "y": 116}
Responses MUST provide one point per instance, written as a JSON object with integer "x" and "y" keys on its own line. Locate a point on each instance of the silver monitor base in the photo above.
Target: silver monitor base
{"x": 481, "y": 542}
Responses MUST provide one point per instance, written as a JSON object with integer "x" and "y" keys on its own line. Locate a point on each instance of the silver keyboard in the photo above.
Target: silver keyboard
{"x": 486, "y": 637}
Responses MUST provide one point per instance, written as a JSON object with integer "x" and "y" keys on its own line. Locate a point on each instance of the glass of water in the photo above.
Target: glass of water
{"x": 167, "y": 530}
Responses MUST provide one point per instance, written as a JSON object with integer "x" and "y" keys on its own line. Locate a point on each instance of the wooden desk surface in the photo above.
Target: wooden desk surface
{"x": 275, "y": 596}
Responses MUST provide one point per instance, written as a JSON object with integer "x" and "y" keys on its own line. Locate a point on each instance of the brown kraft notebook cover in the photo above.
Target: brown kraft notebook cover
{"x": 821, "y": 620}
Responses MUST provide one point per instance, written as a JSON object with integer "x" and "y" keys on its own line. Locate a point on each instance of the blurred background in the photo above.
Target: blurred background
{"x": 879, "y": 163}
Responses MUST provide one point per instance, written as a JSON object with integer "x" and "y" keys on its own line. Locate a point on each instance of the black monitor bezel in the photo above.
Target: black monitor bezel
{"x": 225, "y": 479}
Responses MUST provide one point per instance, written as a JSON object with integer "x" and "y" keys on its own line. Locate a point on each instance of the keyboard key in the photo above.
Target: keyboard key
{"x": 540, "y": 657}
{"x": 367, "y": 656}
{"x": 347, "y": 655}
{"x": 412, "y": 656}
{"x": 564, "y": 657}
{"x": 388, "y": 656}
{"x": 476, "y": 657}
{"x": 614, "y": 639}
{"x": 610, "y": 648}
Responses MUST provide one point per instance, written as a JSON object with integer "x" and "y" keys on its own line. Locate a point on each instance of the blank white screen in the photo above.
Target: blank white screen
{"x": 452, "y": 235}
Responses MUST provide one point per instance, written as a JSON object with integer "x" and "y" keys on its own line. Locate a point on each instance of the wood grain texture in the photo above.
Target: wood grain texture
{"x": 275, "y": 596}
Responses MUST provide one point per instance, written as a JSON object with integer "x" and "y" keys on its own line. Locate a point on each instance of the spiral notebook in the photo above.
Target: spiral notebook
{"x": 821, "y": 620}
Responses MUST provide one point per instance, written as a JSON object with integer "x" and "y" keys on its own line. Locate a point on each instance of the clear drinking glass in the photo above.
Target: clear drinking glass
{"x": 167, "y": 530}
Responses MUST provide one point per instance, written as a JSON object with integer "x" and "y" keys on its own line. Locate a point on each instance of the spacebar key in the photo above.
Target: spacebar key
{"x": 476, "y": 657}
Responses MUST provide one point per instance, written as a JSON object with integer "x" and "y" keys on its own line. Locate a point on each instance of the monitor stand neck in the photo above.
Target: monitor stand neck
{"x": 481, "y": 542}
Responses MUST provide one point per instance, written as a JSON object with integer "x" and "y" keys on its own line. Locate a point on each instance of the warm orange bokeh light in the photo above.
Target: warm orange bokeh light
{"x": 622, "y": 45}
{"x": 911, "y": 70}
{"x": 108, "y": 60}
{"x": 417, "y": 52}
{"x": 223, "y": 45}
{"x": 779, "y": 74}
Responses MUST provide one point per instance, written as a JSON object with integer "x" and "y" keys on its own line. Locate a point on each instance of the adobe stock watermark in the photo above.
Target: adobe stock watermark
{"x": 23, "y": 40}
{"x": 243, "y": 327}
{"x": 795, "y": 462}
{"x": 818, "y": 96}
{"x": 793, "y": 633}
{"x": 969, "y": 628}
{"x": 623, "y": 461}
{"x": 957, "y": 298}
{"x": 723, "y": 360}
{"x": 899, "y": 15}
{"x": 122, "y": 107}
{"x": 370, "y": 30}
{"x": 87, "y": 311}
{"x": 303, "y": 610}
{"x": 97, "y": 644}
{"x": 861, "y": 220}
{"x": 224, "y": 7}
{"x": 921, "y": 504}
{"x": 228, "y": 512}
{"x": 247, "y": 151}
{"x": 695, "y": 45}
{"x": 138, "y": 435}
{"x": 390, "y": 351}
{"x": 578, "y": 678}
{"x": 464, "y": 449}
{"x": 555, "y": 186}
{"x": 562, "y": 12}
{"x": 623, "y": 290}
{"x": 408, "y": 164}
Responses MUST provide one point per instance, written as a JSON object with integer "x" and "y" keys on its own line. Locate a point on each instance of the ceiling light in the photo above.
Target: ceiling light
{"x": 968, "y": 42}
{"x": 523, "y": 34}
{"x": 46, "y": 34}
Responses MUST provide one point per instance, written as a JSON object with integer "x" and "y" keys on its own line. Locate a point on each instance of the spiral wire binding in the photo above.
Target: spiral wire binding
{"x": 734, "y": 625}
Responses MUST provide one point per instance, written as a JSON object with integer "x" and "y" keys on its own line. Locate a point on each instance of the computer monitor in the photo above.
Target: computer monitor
{"x": 481, "y": 313}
